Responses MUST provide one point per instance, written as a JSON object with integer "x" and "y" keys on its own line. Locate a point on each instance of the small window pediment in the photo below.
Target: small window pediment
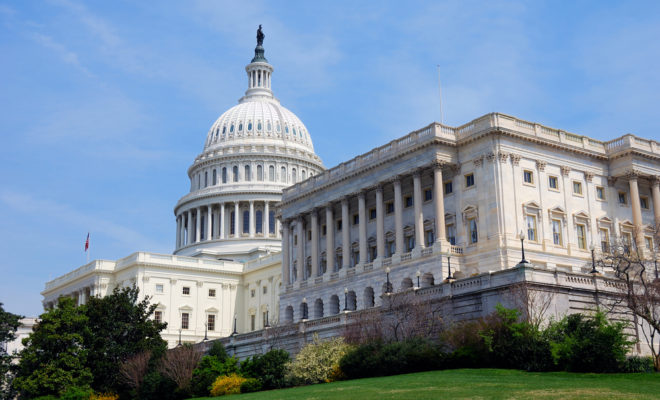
{"x": 582, "y": 217}
{"x": 470, "y": 211}
{"x": 450, "y": 218}
{"x": 185, "y": 307}
{"x": 605, "y": 221}
{"x": 557, "y": 212}
{"x": 211, "y": 310}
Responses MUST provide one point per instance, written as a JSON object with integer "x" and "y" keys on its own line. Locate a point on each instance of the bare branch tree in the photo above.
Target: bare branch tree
{"x": 133, "y": 370}
{"x": 178, "y": 364}
{"x": 533, "y": 302}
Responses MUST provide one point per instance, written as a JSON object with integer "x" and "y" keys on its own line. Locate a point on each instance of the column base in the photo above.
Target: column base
{"x": 417, "y": 252}
{"x": 396, "y": 258}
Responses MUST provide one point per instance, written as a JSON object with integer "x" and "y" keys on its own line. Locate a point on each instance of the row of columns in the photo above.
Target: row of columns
{"x": 217, "y": 230}
{"x": 438, "y": 206}
{"x": 637, "y": 208}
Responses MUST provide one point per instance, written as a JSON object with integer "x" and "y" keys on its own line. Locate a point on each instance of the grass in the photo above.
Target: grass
{"x": 477, "y": 384}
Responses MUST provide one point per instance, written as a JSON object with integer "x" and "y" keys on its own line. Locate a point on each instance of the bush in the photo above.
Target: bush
{"x": 269, "y": 368}
{"x": 157, "y": 387}
{"x": 77, "y": 393}
{"x": 251, "y": 385}
{"x": 208, "y": 370}
{"x": 316, "y": 362}
{"x": 638, "y": 364}
{"x": 230, "y": 384}
{"x": 104, "y": 396}
{"x": 218, "y": 351}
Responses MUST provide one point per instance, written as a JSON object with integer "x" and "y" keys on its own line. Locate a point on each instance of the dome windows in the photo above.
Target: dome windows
{"x": 286, "y": 129}
{"x": 231, "y": 129}
{"x": 278, "y": 127}
{"x": 269, "y": 127}
{"x": 240, "y": 126}
{"x": 249, "y": 126}
{"x": 294, "y": 131}
{"x": 224, "y": 130}
{"x": 259, "y": 126}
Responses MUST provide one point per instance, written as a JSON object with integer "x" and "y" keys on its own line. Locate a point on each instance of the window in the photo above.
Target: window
{"x": 430, "y": 238}
{"x": 186, "y": 291}
{"x": 391, "y": 248}
{"x": 600, "y": 193}
{"x": 410, "y": 242}
{"x": 264, "y": 321}
{"x": 556, "y": 232}
{"x": 648, "y": 242}
{"x": 235, "y": 173}
{"x": 158, "y": 316}
{"x": 309, "y": 235}
{"x": 224, "y": 175}
{"x": 338, "y": 225}
{"x": 581, "y": 236}
{"x": 185, "y": 317}
{"x": 271, "y": 221}
{"x": 252, "y": 322}
{"x": 428, "y": 195}
{"x": 389, "y": 207}
{"x": 627, "y": 242}
{"x": 260, "y": 173}
{"x": 531, "y": 228}
{"x": 248, "y": 175}
{"x": 258, "y": 218}
{"x": 215, "y": 177}
{"x": 232, "y": 225}
{"x": 294, "y": 176}
{"x": 323, "y": 230}
{"x": 356, "y": 219}
{"x": 295, "y": 240}
{"x": 159, "y": 288}
{"x": 577, "y": 188}
{"x": 206, "y": 178}
{"x": 373, "y": 253}
{"x": 271, "y": 173}
{"x": 265, "y": 290}
{"x": 450, "y": 230}
{"x": 372, "y": 213}
{"x": 211, "y": 292}
{"x": 469, "y": 180}
{"x": 449, "y": 187}
{"x": 644, "y": 202}
{"x": 408, "y": 201}
{"x": 246, "y": 221}
{"x": 253, "y": 292}
{"x": 472, "y": 227}
{"x": 283, "y": 174}
{"x": 210, "y": 322}
{"x": 623, "y": 198}
{"x": 604, "y": 240}
{"x": 528, "y": 177}
{"x": 553, "y": 183}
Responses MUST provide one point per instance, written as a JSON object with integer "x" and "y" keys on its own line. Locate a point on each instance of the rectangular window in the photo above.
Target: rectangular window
{"x": 232, "y": 225}
{"x": 372, "y": 213}
{"x": 430, "y": 238}
{"x": 410, "y": 243}
{"x": 469, "y": 180}
{"x": 338, "y": 225}
{"x": 627, "y": 242}
{"x": 389, "y": 208}
{"x": 210, "y": 322}
{"x": 408, "y": 201}
{"x": 531, "y": 228}
{"x": 648, "y": 241}
{"x": 644, "y": 202}
{"x": 391, "y": 248}
{"x": 556, "y": 232}
{"x": 356, "y": 219}
{"x": 623, "y": 198}
{"x": 252, "y": 293}
{"x": 428, "y": 195}
{"x": 528, "y": 177}
{"x": 472, "y": 228}
{"x": 450, "y": 230}
{"x": 159, "y": 288}
{"x": 158, "y": 316}
{"x": 577, "y": 188}
{"x": 186, "y": 291}
{"x": 211, "y": 292}
{"x": 309, "y": 235}
{"x": 265, "y": 290}
{"x": 600, "y": 193}
{"x": 449, "y": 187}
{"x": 604, "y": 240}
{"x": 263, "y": 319}
{"x": 253, "y": 320}
{"x": 553, "y": 183}
{"x": 581, "y": 236}
{"x": 185, "y": 317}
{"x": 323, "y": 230}
{"x": 295, "y": 240}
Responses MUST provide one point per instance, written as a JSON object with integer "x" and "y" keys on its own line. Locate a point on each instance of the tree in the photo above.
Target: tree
{"x": 119, "y": 327}
{"x": 178, "y": 364}
{"x": 8, "y": 324}
{"x": 54, "y": 357}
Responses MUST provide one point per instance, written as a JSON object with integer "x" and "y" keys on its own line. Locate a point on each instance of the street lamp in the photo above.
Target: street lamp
{"x": 593, "y": 260}
{"x": 178, "y": 345}
{"x": 418, "y": 274}
{"x": 346, "y": 299}
{"x": 449, "y": 277}
{"x": 206, "y": 329}
{"x": 387, "y": 287}
{"x": 522, "y": 246}
{"x": 235, "y": 331}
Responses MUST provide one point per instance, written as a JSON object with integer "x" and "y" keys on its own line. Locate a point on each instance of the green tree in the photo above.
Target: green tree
{"x": 119, "y": 326}
{"x": 54, "y": 357}
{"x": 8, "y": 324}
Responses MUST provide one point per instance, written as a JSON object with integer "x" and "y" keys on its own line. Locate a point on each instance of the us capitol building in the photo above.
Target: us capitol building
{"x": 268, "y": 236}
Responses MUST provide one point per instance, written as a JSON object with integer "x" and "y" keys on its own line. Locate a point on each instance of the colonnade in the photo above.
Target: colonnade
{"x": 637, "y": 208}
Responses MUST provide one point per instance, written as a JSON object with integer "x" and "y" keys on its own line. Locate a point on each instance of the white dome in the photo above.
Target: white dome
{"x": 260, "y": 118}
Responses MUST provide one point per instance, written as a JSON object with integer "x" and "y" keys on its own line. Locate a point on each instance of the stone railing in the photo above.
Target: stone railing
{"x": 96, "y": 265}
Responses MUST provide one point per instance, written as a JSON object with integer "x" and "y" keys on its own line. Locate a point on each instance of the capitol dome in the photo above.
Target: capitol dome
{"x": 252, "y": 151}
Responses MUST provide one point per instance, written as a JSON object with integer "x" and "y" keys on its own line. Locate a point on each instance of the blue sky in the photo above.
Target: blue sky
{"x": 104, "y": 105}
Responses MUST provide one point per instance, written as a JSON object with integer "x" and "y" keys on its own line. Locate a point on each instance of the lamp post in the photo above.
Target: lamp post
{"x": 346, "y": 299}
{"x": 522, "y": 247}
{"x": 387, "y": 285}
{"x": 655, "y": 263}
{"x": 180, "y": 344}
{"x": 418, "y": 274}
{"x": 449, "y": 277}
{"x": 206, "y": 329}
{"x": 235, "y": 323}
{"x": 593, "y": 260}
{"x": 267, "y": 324}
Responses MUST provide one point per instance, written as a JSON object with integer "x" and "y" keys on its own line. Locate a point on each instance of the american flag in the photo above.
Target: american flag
{"x": 87, "y": 242}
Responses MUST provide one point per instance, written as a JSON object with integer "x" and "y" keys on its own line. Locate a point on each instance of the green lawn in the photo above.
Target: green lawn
{"x": 478, "y": 384}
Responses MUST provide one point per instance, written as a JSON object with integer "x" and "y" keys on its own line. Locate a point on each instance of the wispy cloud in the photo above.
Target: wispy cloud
{"x": 66, "y": 55}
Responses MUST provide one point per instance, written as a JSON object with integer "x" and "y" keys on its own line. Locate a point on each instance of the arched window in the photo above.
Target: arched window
{"x": 268, "y": 126}
{"x": 368, "y": 297}
{"x": 215, "y": 177}
{"x": 271, "y": 173}
{"x": 248, "y": 175}
{"x": 232, "y": 223}
{"x": 259, "y": 126}
{"x": 304, "y": 175}
{"x": 318, "y": 308}
{"x": 249, "y": 126}
{"x": 231, "y": 129}
{"x": 293, "y": 175}
{"x": 283, "y": 175}
{"x": 240, "y": 126}
{"x": 278, "y": 127}
{"x": 260, "y": 173}
{"x": 206, "y": 178}
{"x": 224, "y": 174}
{"x": 246, "y": 221}
{"x": 271, "y": 221}
{"x": 288, "y": 314}
{"x": 334, "y": 304}
{"x": 286, "y": 128}
{"x": 294, "y": 131}
{"x": 224, "y": 129}
{"x": 235, "y": 173}
{"x": 259, "y": 221}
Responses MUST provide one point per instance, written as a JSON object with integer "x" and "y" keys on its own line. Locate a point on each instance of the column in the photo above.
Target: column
{"x": 345, "y": 234}
{"x": 209, "y": 222}
{"x": 315, "y": 243}
{"x": 300, "y": 256}
{"x": 252, "y": 224}
{"x": 198, "y": 223}
{"x": 236, "y": 226}
{"x": 286, "y": 261}
{"x": 636, "y": 210}
{"x": 655, "y": 192}
{"x": 419, "y": 217}
{"x": 398, "y": 217}
{"x": 380, "y": 224}
{"x": 329, "y": 239}
{"x": 439, "y": 203}
{"x": 266, "y": 220}
{"x": 178, "y": 232}
{"x": 190, "y": 228}
{"x": 221, "y": 221}
{"x": 362, "y": 227}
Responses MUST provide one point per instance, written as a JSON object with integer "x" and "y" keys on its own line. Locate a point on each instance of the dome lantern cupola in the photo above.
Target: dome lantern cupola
{"x": 259, "y": 72}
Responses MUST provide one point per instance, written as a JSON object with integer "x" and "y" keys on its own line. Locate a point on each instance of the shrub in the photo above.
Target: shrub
{"x": 316, "y": 362}
{"x": 208, "y": 370}
{"x": 230, "y": 384}
{"x": 77, "y": 393}
{"x": 156, "y": 386}
{"x": 218, "y": 351}
{"x": 638, "y": 364}
{"x": 104, "y": 396}
{"x": 269, "y": 368}
{"x": 251, "y": 385}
